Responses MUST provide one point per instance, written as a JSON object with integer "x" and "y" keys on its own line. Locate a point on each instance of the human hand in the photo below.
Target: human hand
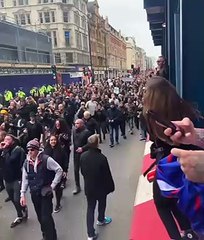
{"x": 79, "y": 150}
{"x": 23, "y": 201}
{"x": 64, "y": 175}
{"x": 189, "y": 136}
{"x": 192, "y": 164}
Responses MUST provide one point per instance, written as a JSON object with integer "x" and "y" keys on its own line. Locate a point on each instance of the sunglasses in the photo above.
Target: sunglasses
{"x": 31, "y": 150}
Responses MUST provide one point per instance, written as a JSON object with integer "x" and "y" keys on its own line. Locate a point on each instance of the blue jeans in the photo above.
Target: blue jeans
{"x": 112, "y": 129}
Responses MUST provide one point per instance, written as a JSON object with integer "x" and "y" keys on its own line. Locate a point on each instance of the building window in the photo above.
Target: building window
{"x": 57, "y": 58}
{"x": 53, "y": 16}
{"x": 28, "y": 18}
{"x": 83, "y": 8}
{"x": 85, "y": 42}
{"x": 54, "y": 36}
{"x": 16, "y": 18}
{"x": 22, "y": 2}
{"x": 77, "y": 18}
{"x": 69, "y": 58}
{"x": 66, "y": 16}
{"x": 41, "y": 17}
{"x": 77, "y": 38}
{"x": 22, "y": 19}
{"x": 67, "y": 38}
{"x": 45, "y": 1}
{"x": 47, "y": 17}
{"x": 83, "y": 22}
{"x": 14, "y": 3}
{"x": 1, "y": 3}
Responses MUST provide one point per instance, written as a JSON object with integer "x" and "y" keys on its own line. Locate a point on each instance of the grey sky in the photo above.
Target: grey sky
{"x": 131, "y": 18}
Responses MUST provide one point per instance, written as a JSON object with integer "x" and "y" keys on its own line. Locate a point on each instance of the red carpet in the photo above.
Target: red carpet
{"x": 146, "y": 224}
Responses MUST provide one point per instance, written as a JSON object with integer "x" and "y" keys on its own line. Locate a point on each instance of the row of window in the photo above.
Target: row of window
{"x": 22, "y": 19}
{"x": 15, "y": 3}
{"x": 80, "y": 21}
{"x": 81, "y": 39}
{"x": 78, "y": 4}
{"x": 80, "y": 58}
{"x": 49, "y": 17}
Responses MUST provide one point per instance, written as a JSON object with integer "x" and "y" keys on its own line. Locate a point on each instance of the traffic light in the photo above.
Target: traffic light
{"x": 132, "y": 66}
{"x": 54, "y": 71}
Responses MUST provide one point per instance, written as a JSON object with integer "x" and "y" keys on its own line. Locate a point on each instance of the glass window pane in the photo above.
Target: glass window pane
{"x": 47, "y": 17}
{"x": 67, "y": 38}
{"x": 53, "y": 16}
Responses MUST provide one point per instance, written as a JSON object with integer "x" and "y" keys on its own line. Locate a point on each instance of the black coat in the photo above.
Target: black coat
{"x": 91, "y": 125}
{"x": 59, "y": 155}
{"x": 95, "y": 169}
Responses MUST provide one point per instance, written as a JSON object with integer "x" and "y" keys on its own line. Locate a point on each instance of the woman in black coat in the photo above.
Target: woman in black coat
{"x": 54, "y": 150}
{"x": 63, "y": 134}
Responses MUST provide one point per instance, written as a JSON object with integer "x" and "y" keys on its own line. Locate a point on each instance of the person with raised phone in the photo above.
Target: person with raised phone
{"x": 192, "y": 162}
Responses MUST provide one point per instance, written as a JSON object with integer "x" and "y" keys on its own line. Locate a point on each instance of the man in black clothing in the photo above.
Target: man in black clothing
{"x": 80, "y": 137}
{"x": 34, "y": 129}
{"x": 13, "y": 157}
{"x": 90, "y": 122}
{"x": 98, "y": 183}
{"x": 113, "y": 117}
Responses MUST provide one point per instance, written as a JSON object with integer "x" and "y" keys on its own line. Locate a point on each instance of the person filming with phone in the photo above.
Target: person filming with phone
{"x": 161, "y": 104}
{"x": 192, "y": 162}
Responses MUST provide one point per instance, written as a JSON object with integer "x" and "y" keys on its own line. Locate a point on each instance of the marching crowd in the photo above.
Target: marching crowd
{"x": 38, "y": 133}
{"x": 36, "y": 137}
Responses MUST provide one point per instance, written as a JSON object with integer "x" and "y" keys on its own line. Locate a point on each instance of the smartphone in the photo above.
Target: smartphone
{"x": 164, "y": 123}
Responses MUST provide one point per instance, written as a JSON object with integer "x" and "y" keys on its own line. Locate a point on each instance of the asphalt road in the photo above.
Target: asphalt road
{"x": 125, "y": 161}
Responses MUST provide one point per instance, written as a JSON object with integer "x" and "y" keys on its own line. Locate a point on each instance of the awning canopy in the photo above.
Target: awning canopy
{"x": 156, "y": 18}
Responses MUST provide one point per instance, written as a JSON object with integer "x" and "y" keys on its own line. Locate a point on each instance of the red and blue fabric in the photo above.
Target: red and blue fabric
{"x": 174, "y": 184}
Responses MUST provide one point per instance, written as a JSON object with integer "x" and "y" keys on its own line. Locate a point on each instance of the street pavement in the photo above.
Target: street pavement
{"x": 125, "y": 161}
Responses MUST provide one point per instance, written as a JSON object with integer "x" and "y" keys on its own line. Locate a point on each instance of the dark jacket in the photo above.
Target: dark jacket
{"x": 100, "y": 116}
{"x": 113, "y": 114}
{"x": 96, "y": 172}
{"x": 59, "y": 155}
{"x": 12, "y": 163}
{"x": 91, "y": 125}
{"x": 80, "y": 138}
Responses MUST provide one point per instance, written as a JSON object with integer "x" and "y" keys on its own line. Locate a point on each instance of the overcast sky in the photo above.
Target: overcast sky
{"x": 131, "y": 18}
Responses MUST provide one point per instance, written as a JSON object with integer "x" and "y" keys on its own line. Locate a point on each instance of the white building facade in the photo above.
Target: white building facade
{"x": 65, "y": 21}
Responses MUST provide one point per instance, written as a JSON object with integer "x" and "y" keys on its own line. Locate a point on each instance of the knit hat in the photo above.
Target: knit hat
{"x": 34, "y": 144}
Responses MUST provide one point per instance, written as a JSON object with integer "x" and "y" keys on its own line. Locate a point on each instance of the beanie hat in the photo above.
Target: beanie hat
{"x": 33, "y": 144}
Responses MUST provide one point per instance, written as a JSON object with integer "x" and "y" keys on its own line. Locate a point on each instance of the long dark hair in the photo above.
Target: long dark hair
{"x": 161, "y": 97}
{"x": 63, "y": 127}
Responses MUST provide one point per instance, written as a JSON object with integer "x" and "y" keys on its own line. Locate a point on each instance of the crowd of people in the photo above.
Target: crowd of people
{"x": 38, "y": 133}
{"x": 36, "y": 138}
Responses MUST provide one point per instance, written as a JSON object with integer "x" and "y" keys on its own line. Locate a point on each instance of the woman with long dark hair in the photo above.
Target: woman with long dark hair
{"x": 63, "y": 134}
{"x": 54, "y": 150}
{"x": 161, "y": 97}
